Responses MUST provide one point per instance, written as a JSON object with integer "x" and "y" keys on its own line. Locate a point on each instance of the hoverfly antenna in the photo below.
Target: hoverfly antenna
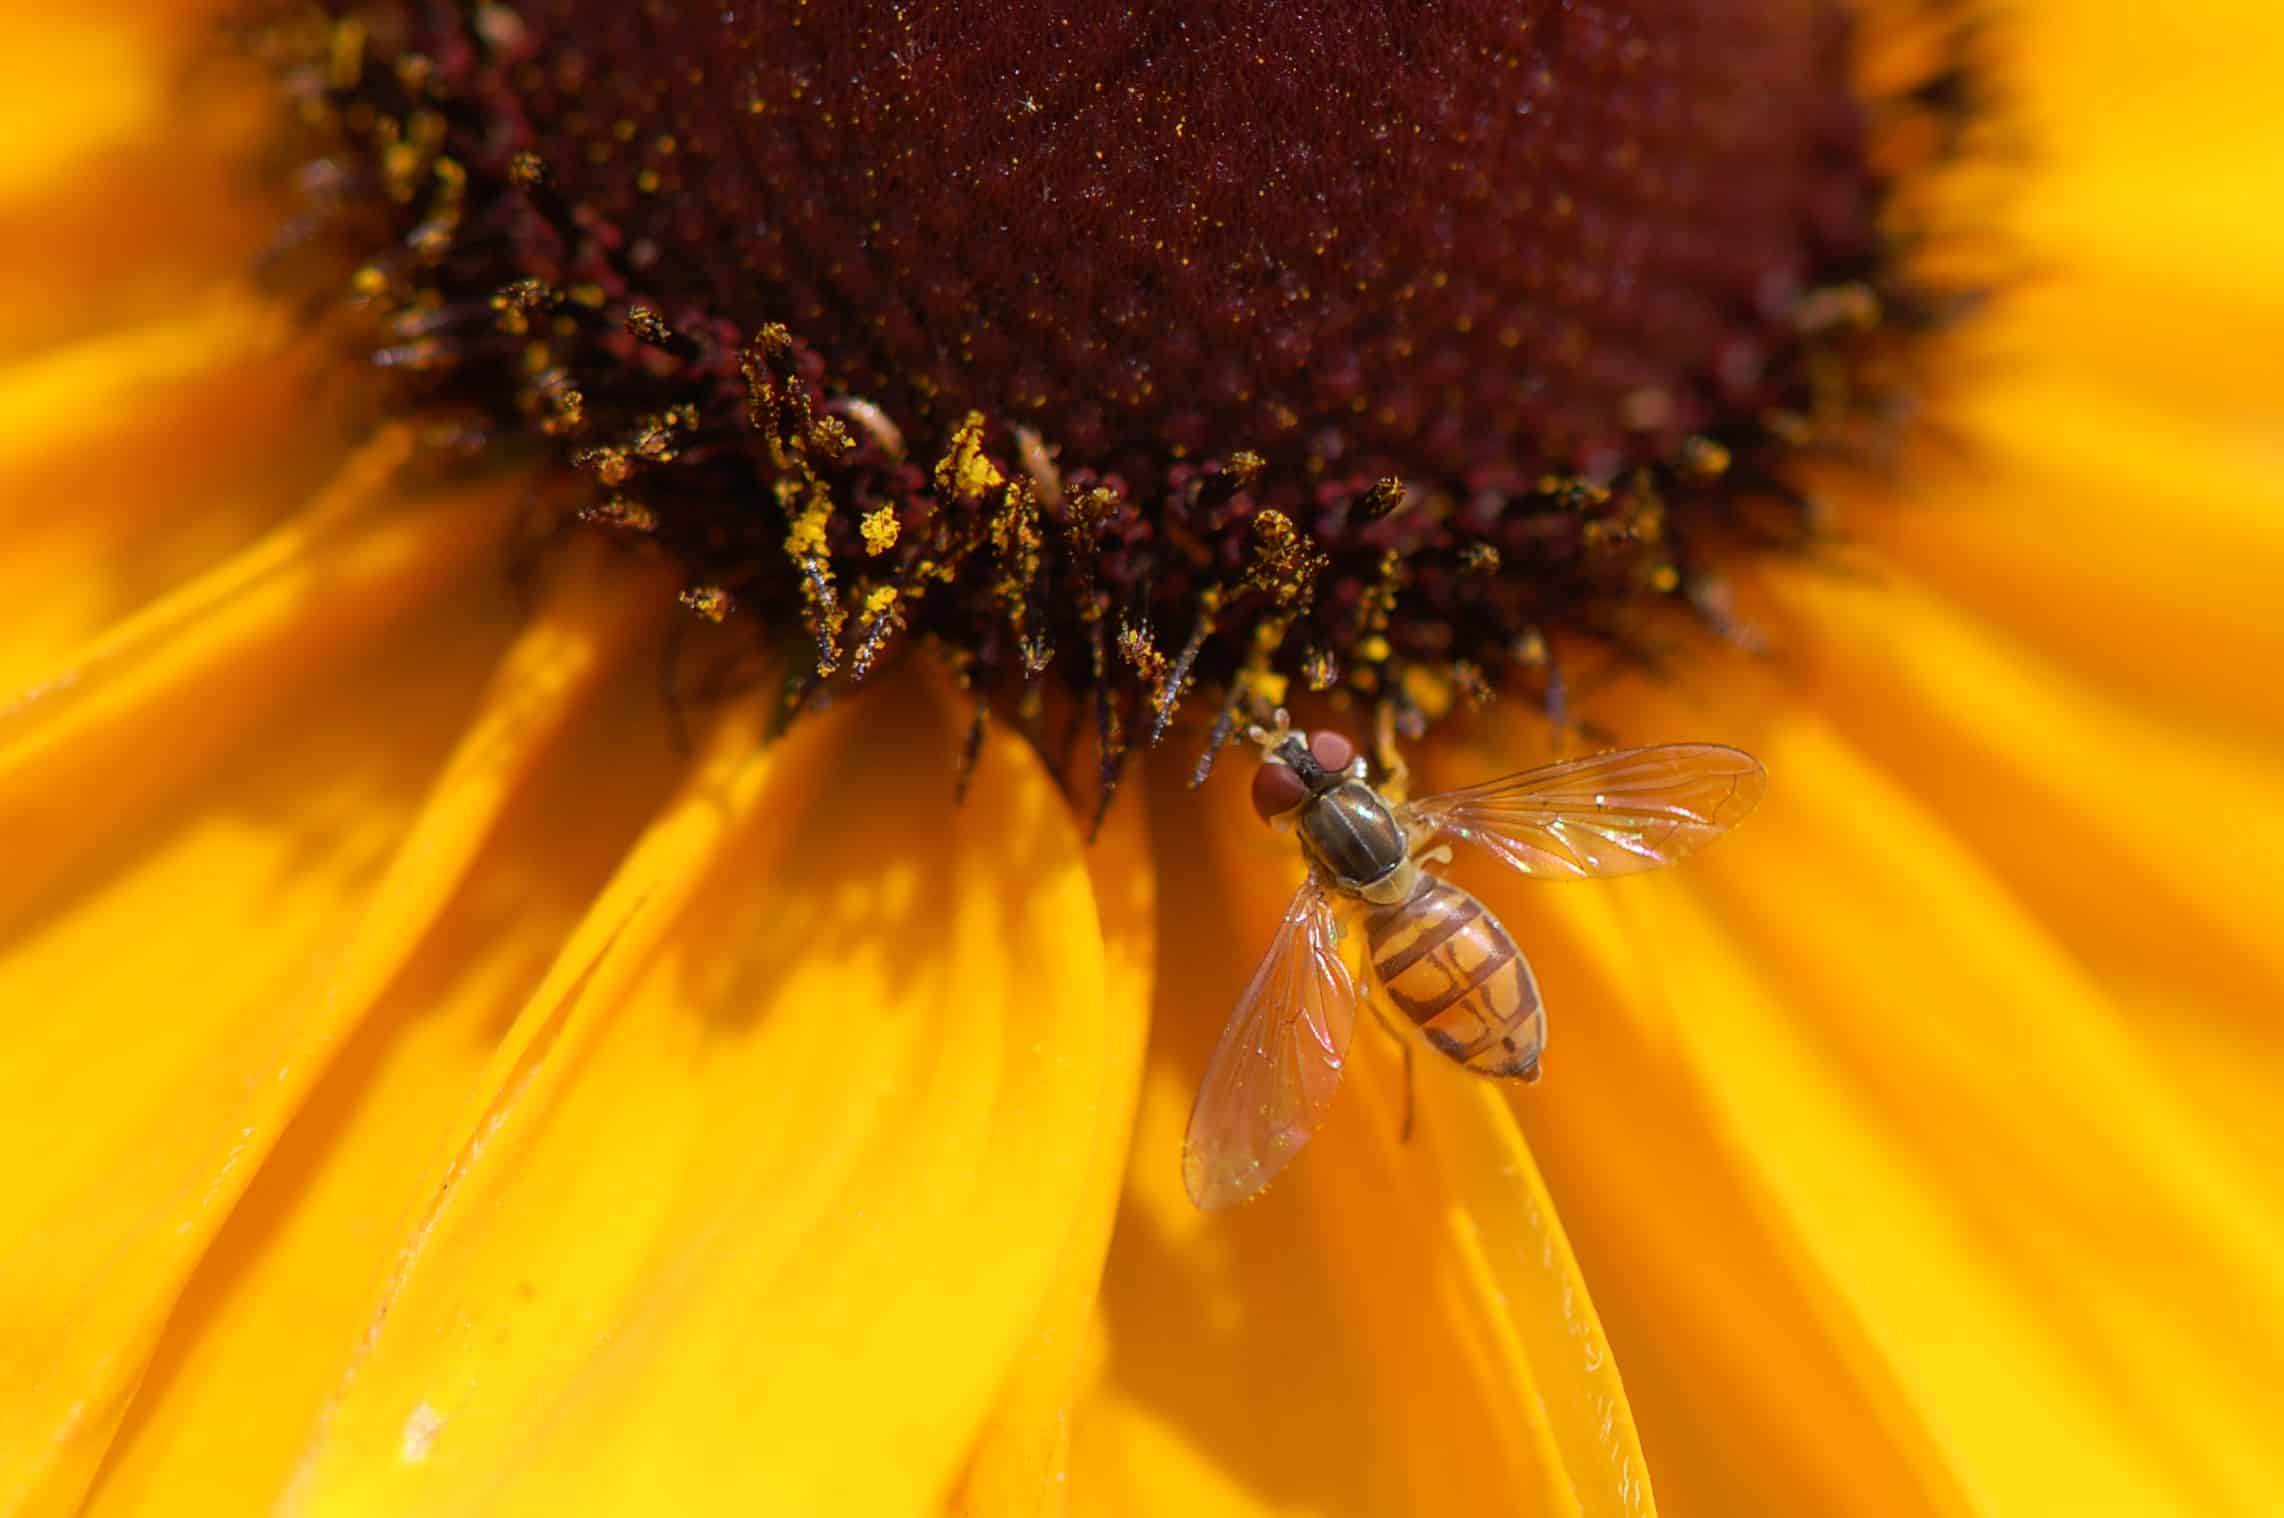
{"x": 1268, "y": 738}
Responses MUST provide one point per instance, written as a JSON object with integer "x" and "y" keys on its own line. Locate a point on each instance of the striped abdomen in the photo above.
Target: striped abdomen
{"x": 1450, "y": 967}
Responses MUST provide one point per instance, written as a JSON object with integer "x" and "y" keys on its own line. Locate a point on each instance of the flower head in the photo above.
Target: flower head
{"x": 1125, "y": 354}
{"x": 433, "y": 1087}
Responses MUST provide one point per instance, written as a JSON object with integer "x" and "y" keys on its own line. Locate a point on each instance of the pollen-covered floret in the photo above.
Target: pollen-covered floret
{"x": 1141, "y": 369}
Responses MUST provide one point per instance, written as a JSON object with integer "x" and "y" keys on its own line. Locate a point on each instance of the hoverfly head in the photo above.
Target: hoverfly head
{"x": 1297, "y": 766}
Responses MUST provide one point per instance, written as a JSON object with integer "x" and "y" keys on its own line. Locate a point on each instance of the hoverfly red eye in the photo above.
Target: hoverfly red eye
{"x": 1277, "y": 789}
{"x": 1332, "y": 750}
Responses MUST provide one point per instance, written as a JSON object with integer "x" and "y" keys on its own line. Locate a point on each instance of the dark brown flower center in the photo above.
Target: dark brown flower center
{"x": 1441, "y": 241}
{"x": 1131, "y": 349}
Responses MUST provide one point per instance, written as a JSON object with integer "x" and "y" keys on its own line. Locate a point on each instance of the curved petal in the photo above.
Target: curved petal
{"x": 73, "y": 82}
{"x": 1755, "y": 1390}
{"x": 2156, "y": 856}
{"x": 2091, "y": 1304}
{"x": 166, "y": 943}
{"x": 128, "y": 468}
{"x": 124, "y": 138}
{"x": 776, "y": 1170}
{"x": 538, "y": 800}
{"x": 118, "y": 725}
{"x": 2039, "y": 1257}
{"x": 1392, "y": 1328}
{"x": 2155, "y": 197}
{"x": 2125, "y": 544}
{"x": 1022, "y": 1461}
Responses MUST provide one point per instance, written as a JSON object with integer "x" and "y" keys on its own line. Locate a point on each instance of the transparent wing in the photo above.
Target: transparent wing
{"x": 1270, "y": 1082}
{"x": 1612, "y": 814}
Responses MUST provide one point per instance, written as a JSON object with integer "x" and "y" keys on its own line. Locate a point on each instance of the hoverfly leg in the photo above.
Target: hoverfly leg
{"x": 1396, "y": 785}
{"x": 1417, "y": 835}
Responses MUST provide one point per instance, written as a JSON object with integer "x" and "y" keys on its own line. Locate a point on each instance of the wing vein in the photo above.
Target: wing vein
{"x": 1609, "y": 814}
{"x": 1270, "y": 1082}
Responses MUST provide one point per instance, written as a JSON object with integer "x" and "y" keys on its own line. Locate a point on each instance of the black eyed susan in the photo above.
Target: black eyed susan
{"x": 438, "y": 1087}
{"x": 1138, "y": 359}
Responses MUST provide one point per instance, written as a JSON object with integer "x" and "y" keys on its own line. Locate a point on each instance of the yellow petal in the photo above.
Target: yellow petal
{"x": 169, "y": 940}
{"x": 129, "y": 466}
{"x": 1393, "y": 1328}
{"x": 143, "y": 708}
{"x": 80, "y": 237}
{"x": 75, "y": 81}
{"x": 1721, "y": 1324}
{"x": 2074, "y": 1290}
{"x": 1512, "y": 1285}
{"x": 2121, "y": 543}
{"x": 776, "y": 1169}
{"x": 1021, "y": 1464}
{"x": 88, "y": 406}
{"x": 523, "y": 825}
{"x": 2158, "y": 855}
{"x": 1903, "y": 992}
{"x": 2161, "y": 196}
{"x": 1755, "y": 1390}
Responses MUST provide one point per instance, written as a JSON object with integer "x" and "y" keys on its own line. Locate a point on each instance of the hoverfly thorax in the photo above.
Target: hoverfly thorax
{"x": 1345, "y": 826}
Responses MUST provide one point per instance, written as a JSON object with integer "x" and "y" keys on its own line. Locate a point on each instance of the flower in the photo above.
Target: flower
{"x": 434, "y": 1089}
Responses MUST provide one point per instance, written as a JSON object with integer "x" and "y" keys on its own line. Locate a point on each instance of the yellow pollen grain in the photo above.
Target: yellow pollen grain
{"x": 618, "y": 511}
{"x": 611, "y": 465}
{"x": 1141, "y": 651}
{"x": 806, "y": 537}
{"x": 966, "y": 473}
{"x": 708, "y": 601}
{"x": 880, "y": 529}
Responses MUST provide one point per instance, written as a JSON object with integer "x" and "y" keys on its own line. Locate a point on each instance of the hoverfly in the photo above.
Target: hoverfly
{"x": 1433, "y": 954}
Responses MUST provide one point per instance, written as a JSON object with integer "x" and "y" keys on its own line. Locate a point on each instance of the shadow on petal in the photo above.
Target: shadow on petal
{"x": 777, "y": 1169}
{"x": 182, "y": 896}
{"x": 278, "y": 1304}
